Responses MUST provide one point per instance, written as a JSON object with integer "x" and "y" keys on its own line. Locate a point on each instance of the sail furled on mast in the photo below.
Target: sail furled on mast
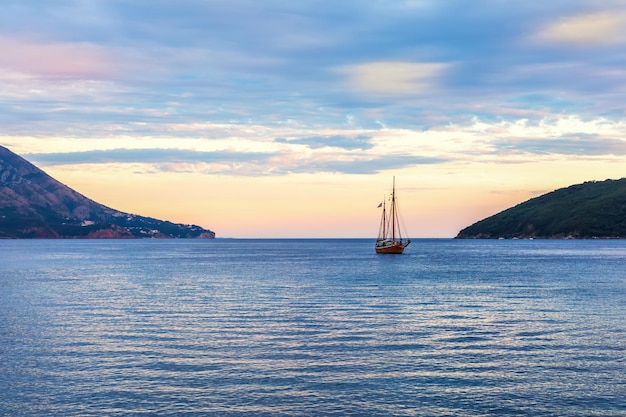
{"x": 382, "y": 229}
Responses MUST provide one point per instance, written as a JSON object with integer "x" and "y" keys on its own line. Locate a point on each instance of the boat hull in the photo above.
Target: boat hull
{"x": 394, "y": 248}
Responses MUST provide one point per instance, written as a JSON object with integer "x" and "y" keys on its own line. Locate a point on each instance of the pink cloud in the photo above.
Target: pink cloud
{"x": 55, "y": 59}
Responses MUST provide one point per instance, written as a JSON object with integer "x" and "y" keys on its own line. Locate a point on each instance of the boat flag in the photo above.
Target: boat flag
{"x": 380, "y": 205}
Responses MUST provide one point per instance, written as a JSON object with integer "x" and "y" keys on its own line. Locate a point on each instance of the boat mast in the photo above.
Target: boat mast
{"x": 384, "y": 219}
{"x": 384, "y": 235}
{"x": 393, "y": 210}
{"x": 382, "y": 231}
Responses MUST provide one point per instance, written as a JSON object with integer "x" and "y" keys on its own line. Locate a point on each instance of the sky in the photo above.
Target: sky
{"x": 291, "y": 118}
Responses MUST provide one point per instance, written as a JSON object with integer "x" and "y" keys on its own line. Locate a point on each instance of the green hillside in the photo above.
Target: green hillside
{"x": 589, "y": 210}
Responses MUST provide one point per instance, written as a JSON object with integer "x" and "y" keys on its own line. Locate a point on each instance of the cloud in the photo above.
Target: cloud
{"x": 157, "y": 69}
{"x": 338, "y": 141}
{"x": 367, "y": 165}
{"x": 587, "y": 29}
{"x": 75, "y": 60}
{"x": 142, "y": 156}
{"x": 394, "y": 78}
{"x": 235, "y": 162}
{"x": 573, "y": 144}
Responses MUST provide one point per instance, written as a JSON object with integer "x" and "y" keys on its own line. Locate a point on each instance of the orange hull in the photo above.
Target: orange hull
{"x": 392, "y": 248}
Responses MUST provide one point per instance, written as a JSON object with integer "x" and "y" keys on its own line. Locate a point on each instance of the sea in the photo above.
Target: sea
{"x": 299, "y": 327}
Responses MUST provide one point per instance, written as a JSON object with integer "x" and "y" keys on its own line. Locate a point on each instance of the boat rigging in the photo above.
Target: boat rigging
{"x": 390, "y": 238}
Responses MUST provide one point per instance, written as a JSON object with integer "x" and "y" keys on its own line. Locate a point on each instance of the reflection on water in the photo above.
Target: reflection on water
{"x": 312, "y": 327}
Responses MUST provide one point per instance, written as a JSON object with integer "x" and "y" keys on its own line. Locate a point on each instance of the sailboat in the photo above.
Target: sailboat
{"x": 389, "y": 235}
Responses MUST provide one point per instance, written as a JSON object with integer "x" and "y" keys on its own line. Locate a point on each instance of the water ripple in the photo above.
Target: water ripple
{"x": 312, "y": 328}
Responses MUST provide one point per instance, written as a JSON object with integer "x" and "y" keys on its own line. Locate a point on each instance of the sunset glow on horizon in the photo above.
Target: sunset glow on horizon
{"x": 278, "y": 119}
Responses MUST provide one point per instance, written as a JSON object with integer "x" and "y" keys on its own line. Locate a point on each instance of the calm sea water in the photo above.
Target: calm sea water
{"x": 312, "y": 328}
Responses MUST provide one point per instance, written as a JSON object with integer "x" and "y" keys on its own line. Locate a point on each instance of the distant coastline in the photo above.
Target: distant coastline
{"x": 35, "y": 205}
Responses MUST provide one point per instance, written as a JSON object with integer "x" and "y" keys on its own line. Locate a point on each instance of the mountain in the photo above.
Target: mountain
{"x": 35, "y": 205}
{"x": 595, "y": 209}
